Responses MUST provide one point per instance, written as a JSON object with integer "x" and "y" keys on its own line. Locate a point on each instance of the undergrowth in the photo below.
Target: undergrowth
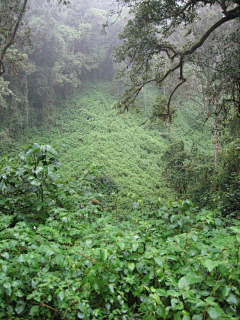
{"x": 95, "y": 135}
{"x": 62, "y": 257}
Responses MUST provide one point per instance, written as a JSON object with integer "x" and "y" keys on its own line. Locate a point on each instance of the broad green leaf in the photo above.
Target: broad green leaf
{"x": 135, "y": 246}
{"x": 61, "y": 295}
{"x": 10, "y": 310}
{"x": 161, "y": 292}
{"x": 173, "y": 293}
{"x": 185, "y": 315}
{"x": 158, "y": 260}
{"x": 19, "y": 293}
{"x": 156, "y": 299}
{"x": 226, "y": 290}
{"x": 210, "y": 265}
{"x": 104, "y": 254}
{"x": 89, "y": 243}
{"x": 49, "y": 252}
{"x": 176, "y": 304}
{"x": 30, "y": 296}
{"x": 96, "y": 287}
{"x": 193, "y": 278}
{"x": 7, "y": 285}
{"x": 215, "y": 312}
{"x": 59, "y": 260}
{"x": 183, "y": 270}
{"x": 131, "y": 266}
{"x": 5, "y": 255}
{"x": 34, "y": 310}
{"x": 232, "y": 299}
{"x": 38, "y": 169}
{"x": 121, "y": 244}
{"x": 20, "y": 307}
{"x": 183, "y": 283}
{"x": 4, "y": 268}
{"x": 210, "y": 301}
{"x": 195, "y": 238}
{"x": 111, "y": 287}
{"x": 201, "y": 303}
{"x": 218, "y": 222}
{"x": 21, "y": 258}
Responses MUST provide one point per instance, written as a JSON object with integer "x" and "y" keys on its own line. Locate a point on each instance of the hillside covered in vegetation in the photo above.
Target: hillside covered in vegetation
{"x": 120, "y": 157}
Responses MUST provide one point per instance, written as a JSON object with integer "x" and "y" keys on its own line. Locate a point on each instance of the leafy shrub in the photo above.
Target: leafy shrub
{"x": 30, "y": 188}
{"x": 171, "y": 263}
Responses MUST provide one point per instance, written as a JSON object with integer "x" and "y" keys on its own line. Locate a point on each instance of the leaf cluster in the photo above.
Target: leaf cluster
{"x": 167, "y": 263}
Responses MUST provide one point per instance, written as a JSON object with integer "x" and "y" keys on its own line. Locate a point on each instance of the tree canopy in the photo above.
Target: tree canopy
{"x": 53, "y": 51}
{"x": 162, "y": 38}
{"x": 12, "y": 13}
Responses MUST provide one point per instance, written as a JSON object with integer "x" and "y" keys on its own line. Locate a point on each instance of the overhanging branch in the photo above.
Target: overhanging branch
{"x": 230, "y": 15}
{"x": 12, "y": 37}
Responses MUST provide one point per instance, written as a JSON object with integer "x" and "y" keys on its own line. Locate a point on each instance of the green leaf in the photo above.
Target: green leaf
{"x": 49, "y": 252}
{"x": 111, "y": 287}
{"x": 131, "y": 266}
{"x": 161, "y": 292}
{"x": 7, "y": 285}
{"x": 59, "y": 260}
{"x": 21, "y": 258}
{"x": 34, "y": 310}
{"x": 61, "y": 295}
{"x": 215, "y": 312}
{"x": 210, "y": 265}
{"x": 135, "y": 246}
{"x": 183, "y": 283}
{"x": 226, "y": 290}
{"x": 5, "y": 255}
{"x": 195, "y": 238}
{"x": 104, "y": 254}
{"x": 201, "y": 303}
{"x": 186, "y": 315}
{"x": 156, "y": 299}
{"x": 193, "y": 278}
{"x": 232, "y": 299}
{"x": 20, "y": 307}
{"x": 158, "y": 260}
{"x": 19, "y": 293}
{"x": 4, "y": 268}
{"x": 89, "y": 243}
{"x": 121, "y": 244}
{"x": 176, "y": 304}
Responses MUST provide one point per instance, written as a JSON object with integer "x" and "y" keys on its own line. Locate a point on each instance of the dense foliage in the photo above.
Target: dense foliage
{"x": 111, "y": 234}
{"x": 160, "y": 262}
{"x": 56, "y": 51}
{"x": 164, "y": 39}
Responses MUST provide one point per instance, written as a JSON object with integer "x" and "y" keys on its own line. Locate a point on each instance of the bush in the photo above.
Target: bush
{"x": 165, "y": 261}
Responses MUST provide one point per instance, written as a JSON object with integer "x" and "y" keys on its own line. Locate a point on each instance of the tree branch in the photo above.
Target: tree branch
{"x": 12, "y": 36}
{"x": 170, "y": 98}
{"x": 230, "y": 15}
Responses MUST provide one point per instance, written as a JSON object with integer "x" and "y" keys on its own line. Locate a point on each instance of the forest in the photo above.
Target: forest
{"x": 120, "y": 159}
